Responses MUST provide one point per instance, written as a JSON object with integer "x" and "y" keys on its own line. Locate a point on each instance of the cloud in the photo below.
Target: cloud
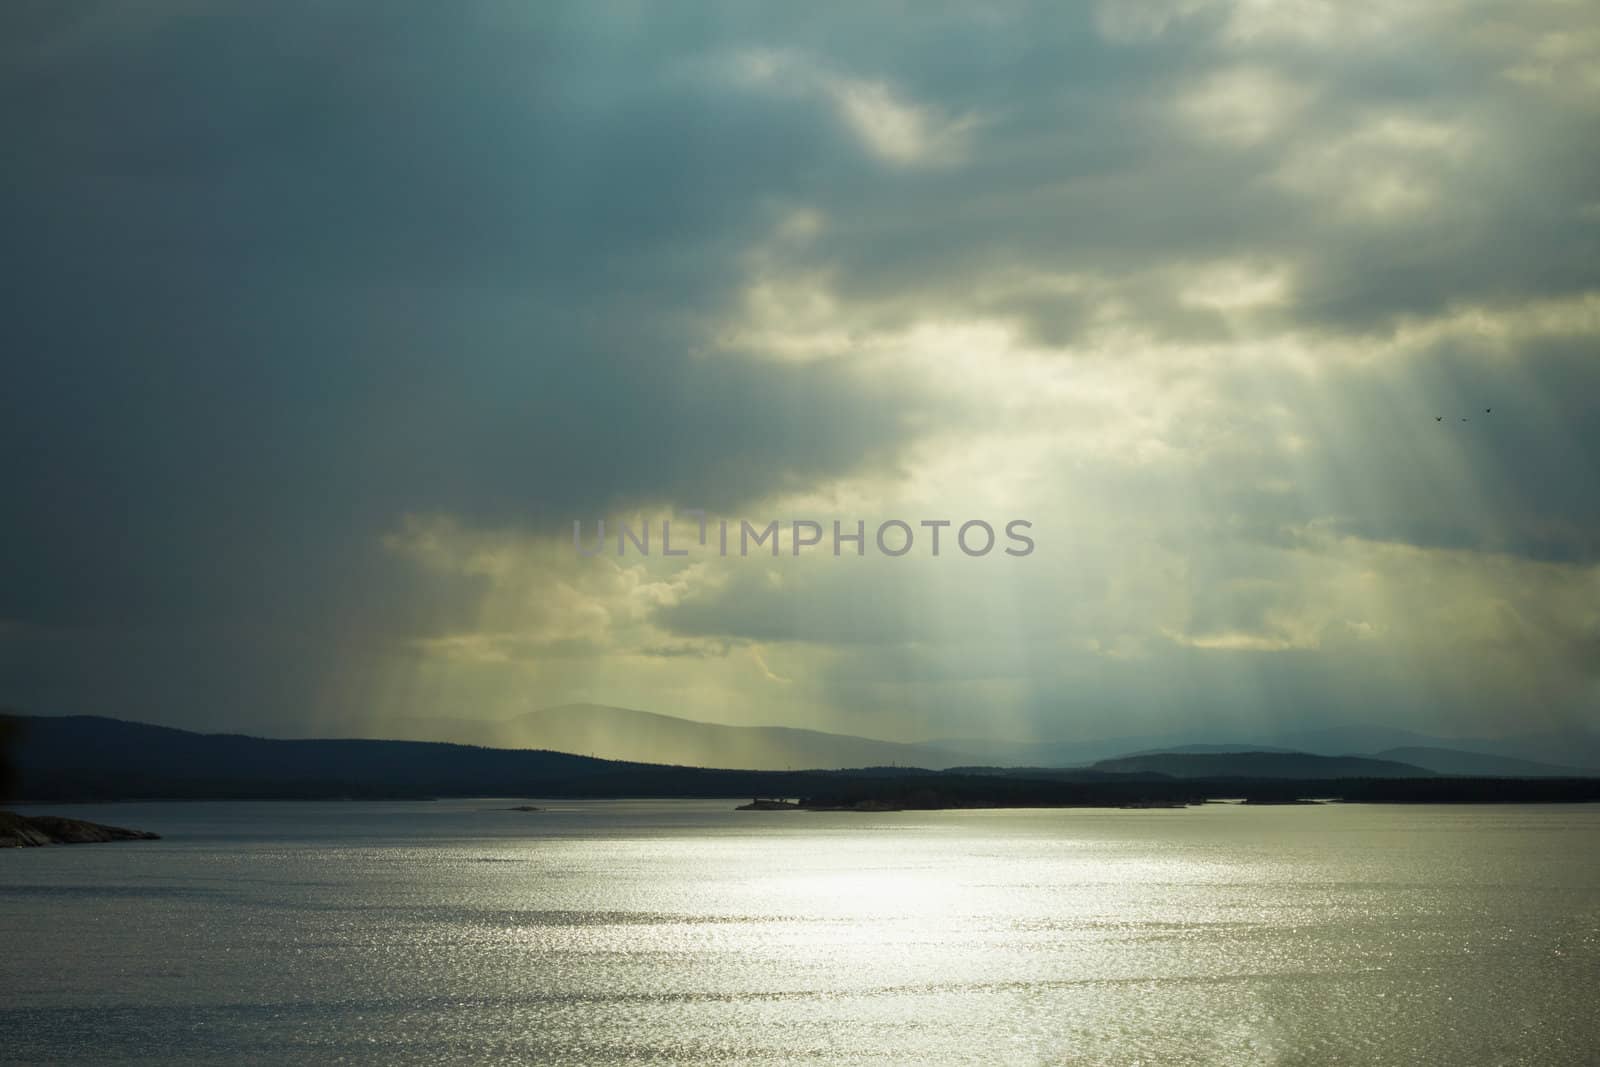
{"x": 1243, "y": 105}
{"x": 888, "y": 126}
{"x": 330, "y": 329}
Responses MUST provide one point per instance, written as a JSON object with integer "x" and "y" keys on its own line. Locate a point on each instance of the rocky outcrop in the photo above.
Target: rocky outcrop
{"x": 19, "y": 831}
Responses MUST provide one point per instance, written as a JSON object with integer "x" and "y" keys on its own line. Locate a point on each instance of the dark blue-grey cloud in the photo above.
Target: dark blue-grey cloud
{"x": 286, "y": 275}
{"x": 282, "y": 275}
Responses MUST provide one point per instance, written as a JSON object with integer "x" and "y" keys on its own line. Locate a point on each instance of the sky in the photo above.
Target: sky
{"x": 325, "y": 322}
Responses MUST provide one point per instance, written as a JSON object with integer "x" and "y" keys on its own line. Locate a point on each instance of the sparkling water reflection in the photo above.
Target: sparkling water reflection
{"x": 687, "y": 932}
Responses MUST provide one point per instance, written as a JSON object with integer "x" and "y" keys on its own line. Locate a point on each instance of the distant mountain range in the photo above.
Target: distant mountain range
{"x": 87, "y": 757}
{"x": 643, "y": 736}
{"x": 627, "y": 734}
{"x": 1277, "y": 765}
{"x": 1453, "y": 761}
{"x": 79, "y": 758}
{"x": 591, "y": 750}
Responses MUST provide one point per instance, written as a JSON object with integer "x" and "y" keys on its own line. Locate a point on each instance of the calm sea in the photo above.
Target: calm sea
{"x": 687, "y": 932}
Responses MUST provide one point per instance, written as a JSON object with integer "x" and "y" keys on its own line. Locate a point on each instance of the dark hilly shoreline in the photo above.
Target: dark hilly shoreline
{"x": 22, "y": 831}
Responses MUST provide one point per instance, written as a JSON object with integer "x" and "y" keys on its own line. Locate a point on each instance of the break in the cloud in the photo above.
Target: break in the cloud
{"x": 328, "y": 323}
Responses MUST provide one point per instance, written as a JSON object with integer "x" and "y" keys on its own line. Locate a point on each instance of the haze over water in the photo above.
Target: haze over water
{"x": 684, "y": 932}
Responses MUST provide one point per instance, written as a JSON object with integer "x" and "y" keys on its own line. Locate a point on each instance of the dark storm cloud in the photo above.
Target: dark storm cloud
{"x": 286, "y": 274}
{"x": 281, "y": 275}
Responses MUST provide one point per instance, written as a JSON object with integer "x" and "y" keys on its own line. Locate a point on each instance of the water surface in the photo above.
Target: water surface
{"x": 685, "y": 932}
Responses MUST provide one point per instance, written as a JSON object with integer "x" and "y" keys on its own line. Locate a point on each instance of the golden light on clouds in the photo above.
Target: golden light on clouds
{"x": 1276, "y": 322}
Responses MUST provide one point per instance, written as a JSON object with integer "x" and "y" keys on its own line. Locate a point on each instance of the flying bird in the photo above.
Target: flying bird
{"x": 1438, "y": 418}
{"x": 1487, "y": 410}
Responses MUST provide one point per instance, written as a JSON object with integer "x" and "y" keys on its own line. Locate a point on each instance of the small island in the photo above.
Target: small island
{"x": 21, "y": 831}
{"x": 1279, "y": 801}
